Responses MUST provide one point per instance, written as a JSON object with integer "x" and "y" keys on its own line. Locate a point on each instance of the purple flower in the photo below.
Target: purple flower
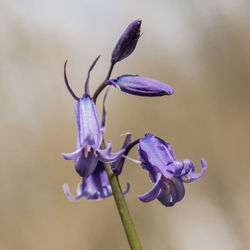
{"x": 127, "y": 42}
{"x": 88, "y": 146}
{"x": 94, "y": 187}
{"x": 141, "y": 86}
{"x": 167, "y": 173}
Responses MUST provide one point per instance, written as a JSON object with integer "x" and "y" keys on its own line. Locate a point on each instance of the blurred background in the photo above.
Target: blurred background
{"x": 201, "y": 48}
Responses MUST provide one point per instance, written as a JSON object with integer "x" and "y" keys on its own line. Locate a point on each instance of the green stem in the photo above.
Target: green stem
{"x": 123, "y": 210}
{"x": 104, "y": 83}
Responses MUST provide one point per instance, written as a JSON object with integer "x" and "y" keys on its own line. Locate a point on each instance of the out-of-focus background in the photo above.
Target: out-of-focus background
{"x": 201, "y": 48}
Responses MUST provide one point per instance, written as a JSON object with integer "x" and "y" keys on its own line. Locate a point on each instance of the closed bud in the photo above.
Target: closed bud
{"x": 127, "y": 42}
{"x": 141, "y": 86}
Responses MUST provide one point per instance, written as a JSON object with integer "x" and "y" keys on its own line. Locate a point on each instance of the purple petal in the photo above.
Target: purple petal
{"x": 153, "y": 192}
{"x": 127, "y": 189}
{"x": 164, "y": 197}
{"x": 192, "y": 176}
{"x": 85, "y": 166}
{"x": 142, "y": 86}
{"x": 127, "y": 42}
{"x": 154, "y": 154}
{"x": 70, "y": 196}
{"x": 89, "y": 131}
{"x": 177, "y": 190}
{"x": 72, "y": 156}
{"x": 104, "y": 155}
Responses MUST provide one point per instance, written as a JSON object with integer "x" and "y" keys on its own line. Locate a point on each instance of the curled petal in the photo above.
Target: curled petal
{"x": 106, "y": 156}
{"x": 72, "y": 156}
{"x": 70, "y": 196}
{"x": 153, "y": 192}
{"x": 192, "y": 176}
{"x": 141, "y": 86}
{"x": 127, "y": 189}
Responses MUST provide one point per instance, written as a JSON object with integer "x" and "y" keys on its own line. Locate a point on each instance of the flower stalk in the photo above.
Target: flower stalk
{"x": 122, "y": 207}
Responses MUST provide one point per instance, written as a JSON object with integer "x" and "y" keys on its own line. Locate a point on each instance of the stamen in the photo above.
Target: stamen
{"x": 87, "y": 149}
{"x": 186, "y": 178}
{"x": 173, "y": 180}
{"x": 94, "y": 151}
{"x": 168, "y": 187}
{"x": 131, "y": 159}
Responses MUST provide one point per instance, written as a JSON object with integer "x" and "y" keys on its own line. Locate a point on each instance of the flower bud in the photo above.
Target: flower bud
{"x": 127, "y": 42}
{"x": 141, "y": 86}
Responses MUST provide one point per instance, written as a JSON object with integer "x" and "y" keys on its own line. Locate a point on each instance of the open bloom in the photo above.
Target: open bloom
{"x": 127, "y": 42}
{"x": 167, "y": 173}
{"x": 94, "y": 187}
{"x": 88, "y": 146}
{"x": 141, "y": 86}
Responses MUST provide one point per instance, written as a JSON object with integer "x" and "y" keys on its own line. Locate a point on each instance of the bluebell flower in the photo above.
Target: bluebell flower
{"x": 166, "y": 172}
{"x": 88, "y": 146}
{"x": 141, "y": 86}
{"x": 127, "y": 42}
{"x": 94, "y": 187}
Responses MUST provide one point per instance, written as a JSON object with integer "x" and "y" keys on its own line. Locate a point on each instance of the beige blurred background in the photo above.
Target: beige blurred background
{"x": 201, "y": 48}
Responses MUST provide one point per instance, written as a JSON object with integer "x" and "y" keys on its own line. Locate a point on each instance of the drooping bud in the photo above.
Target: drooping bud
{"x": 127, "y": 42}
{"x": 141, "y": 86}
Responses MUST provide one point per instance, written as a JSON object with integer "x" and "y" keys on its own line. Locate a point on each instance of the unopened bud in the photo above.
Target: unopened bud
{"x": 127, "y": 42}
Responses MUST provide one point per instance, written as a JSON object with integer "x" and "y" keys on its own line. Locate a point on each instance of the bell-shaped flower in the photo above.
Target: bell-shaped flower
{"x": 94, "y": 187}
{"x": 127, "y": 42}
{"x": 88, "y": 147}
{"x": 141, "y": 86}
{"x": 165, "y": 171}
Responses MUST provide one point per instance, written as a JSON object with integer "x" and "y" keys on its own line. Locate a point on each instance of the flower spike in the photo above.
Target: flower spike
{"x": 67, "y": 83}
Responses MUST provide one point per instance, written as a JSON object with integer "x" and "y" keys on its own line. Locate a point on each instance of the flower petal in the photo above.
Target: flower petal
{"x": 177, "y": 190}
{"x": 192, "y": 176}
{"x": 69, "y": 195}
{"x": 127, "y": 189}
{"x": 153, "y": 192}
{"x": 104, "y": 155}
{"x": 89, "y": 131}
{"x": 72, "y": 156}
{"x": 156, "y": 155}
{"x": 85, "y": 166}
{"x": 164, "y": 196}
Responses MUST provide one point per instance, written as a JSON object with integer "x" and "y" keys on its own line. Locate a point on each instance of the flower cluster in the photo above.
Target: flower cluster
{"x": 156, "y": 156}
